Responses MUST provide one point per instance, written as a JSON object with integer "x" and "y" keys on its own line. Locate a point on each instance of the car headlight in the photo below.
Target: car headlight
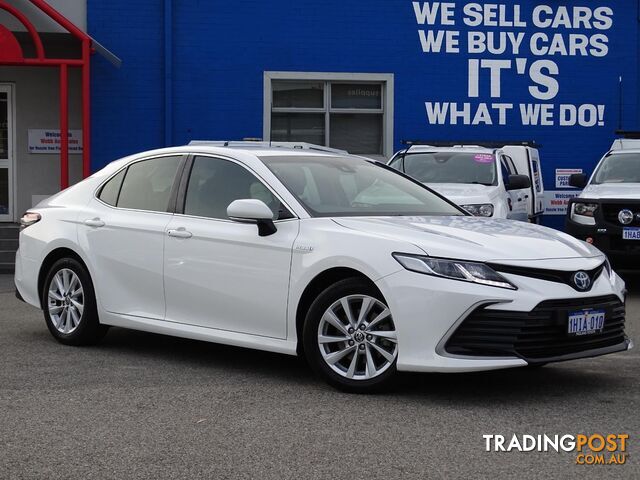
{"x": 479, "y": 210}
{"x": 609, "y": 269}
{"x": 454, "y": 270}
{"x": 29, "y": 219}
{"x": 584, "y": 213}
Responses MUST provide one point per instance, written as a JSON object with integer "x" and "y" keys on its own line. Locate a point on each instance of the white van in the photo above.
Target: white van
{"x": 484, "y": 181}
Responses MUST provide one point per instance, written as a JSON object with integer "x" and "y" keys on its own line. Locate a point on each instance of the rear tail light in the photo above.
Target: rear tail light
{"x": 29, "y": 219}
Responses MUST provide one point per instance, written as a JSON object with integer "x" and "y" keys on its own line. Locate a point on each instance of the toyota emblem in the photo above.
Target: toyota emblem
{"x": 625, "y": 217}
{"x": 581, "y": 281}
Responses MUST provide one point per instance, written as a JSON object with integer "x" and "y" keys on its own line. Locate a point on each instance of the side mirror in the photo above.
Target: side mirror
{"x": 578, "y": 180}
{"x": 517, "y": 182}
{"x": 253, "y": 211}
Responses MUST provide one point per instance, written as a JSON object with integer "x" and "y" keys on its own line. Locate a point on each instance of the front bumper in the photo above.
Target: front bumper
{"x": 606, "y": 234}
{"x": 539, "y": 336}
{"x": 428, "y": 311}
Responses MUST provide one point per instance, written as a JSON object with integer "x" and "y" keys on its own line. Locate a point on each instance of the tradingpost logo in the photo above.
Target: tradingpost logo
{"x": 593, "y": 449}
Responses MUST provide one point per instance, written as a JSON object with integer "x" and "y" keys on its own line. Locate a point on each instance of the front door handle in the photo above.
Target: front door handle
{"x": 94, "y": 222}
{"x": 180, "y": 233}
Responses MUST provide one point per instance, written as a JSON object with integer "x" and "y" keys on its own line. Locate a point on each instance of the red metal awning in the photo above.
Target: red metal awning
{"x": 11, "y": 54}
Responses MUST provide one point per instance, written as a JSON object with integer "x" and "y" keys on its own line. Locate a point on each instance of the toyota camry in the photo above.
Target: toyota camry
{"x": 304, "y": 251}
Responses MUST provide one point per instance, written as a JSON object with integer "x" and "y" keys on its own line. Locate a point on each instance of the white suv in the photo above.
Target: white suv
{"x": 340, "y": 259}
{"x": 483, "y": 181}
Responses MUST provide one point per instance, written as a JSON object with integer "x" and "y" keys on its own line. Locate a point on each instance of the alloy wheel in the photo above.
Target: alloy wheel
{"x": 357, "y": 337}
{"x": 65, "y": 302}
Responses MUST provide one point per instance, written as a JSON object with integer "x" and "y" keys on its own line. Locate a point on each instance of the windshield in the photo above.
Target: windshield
{"x": 619, "y": 168}
{"x": 450, "y": 167}
{"x": 347, "y": 186}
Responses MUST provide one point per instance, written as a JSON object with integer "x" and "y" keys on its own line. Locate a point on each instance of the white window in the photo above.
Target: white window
{"x": 348, "y": 111}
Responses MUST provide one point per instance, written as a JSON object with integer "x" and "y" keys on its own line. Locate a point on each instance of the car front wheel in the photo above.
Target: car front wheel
{"x": 350, "y": 338}
{"x": 69, "y": 304}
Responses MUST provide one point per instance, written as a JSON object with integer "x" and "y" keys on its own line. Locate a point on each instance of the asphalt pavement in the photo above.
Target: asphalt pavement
{"x": 141, "y": 405}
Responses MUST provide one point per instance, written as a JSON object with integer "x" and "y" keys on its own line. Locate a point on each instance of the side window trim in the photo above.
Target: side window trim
{"x": 186, "y": 177}
{"x": 504, "y": 170}
{"x": 174, "y": 187}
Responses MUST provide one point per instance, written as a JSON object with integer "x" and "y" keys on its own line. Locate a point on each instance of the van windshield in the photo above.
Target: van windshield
{"x": 619, "y": 168}
{"x": 451, "y": 167}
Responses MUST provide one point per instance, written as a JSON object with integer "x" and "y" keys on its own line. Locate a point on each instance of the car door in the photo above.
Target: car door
{"x": 220, "y": 273}
{"x": 123, "y": 230}
{"x": 516, "y": 199}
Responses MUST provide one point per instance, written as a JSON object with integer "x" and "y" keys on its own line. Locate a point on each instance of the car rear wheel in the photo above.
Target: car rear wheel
{"x": 69, "y": 304}
{"x": 350, "y": 338}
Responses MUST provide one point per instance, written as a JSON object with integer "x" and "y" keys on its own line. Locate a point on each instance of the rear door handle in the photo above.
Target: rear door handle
{"x": 179, "y": 233}
{"x": 94, "y": 222}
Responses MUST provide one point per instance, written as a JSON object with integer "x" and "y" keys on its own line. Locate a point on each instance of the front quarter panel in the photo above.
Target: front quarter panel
{"x": 323, "y": 244}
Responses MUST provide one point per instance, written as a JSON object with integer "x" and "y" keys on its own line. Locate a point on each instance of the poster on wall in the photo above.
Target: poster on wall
{"x": 48, "y": 141}
{"x": 557, "y": 201}
{"x": 562, "y": 176}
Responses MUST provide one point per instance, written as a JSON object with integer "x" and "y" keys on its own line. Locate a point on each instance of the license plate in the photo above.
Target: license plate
{"x": 631, "y": 233}
{"x": 585, "y": 322}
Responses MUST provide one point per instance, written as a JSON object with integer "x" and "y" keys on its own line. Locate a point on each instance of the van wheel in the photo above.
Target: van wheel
{"x": 69, "y": 304}
{"x": 350, "y": 339}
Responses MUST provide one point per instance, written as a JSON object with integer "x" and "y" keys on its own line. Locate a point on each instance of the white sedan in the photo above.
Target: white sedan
{"x": 359, "y": 268}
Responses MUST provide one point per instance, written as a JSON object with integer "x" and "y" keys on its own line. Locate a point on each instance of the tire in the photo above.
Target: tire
{"x": 69, "y": 304}
{"x": 372, "y": 344}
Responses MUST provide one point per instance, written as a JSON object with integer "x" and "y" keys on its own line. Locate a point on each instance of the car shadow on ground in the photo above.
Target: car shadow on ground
{"x": 632, "y": 279}
{"x": 523, "y": 385}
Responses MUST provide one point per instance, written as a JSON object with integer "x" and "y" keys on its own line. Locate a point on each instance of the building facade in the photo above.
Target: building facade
{"x": 361, "y": 76}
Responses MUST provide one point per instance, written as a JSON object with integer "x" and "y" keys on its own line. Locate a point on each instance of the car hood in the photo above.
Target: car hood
{"x": 475, "y": 238}
{"x": 465, "y": 193}
{"x": 629, "y": 191}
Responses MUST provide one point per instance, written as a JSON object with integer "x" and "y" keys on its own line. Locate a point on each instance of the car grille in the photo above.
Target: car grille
{"x": 536, "y": 335}
{"x": 610, "y": 213}
{"x": 559, "y": 276}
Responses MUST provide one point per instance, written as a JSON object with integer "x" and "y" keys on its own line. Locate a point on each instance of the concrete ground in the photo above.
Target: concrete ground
{"x": 147, "y": 406}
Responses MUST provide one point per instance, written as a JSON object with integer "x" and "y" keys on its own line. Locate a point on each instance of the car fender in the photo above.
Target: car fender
{"x": 323, "y": 245}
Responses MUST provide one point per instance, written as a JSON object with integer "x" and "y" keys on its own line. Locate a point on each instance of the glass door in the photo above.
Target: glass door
{"x": 6, "y": 153}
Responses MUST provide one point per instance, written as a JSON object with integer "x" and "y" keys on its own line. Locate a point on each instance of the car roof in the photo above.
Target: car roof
{"x": 460, "y": 149}
{"x": 245, "y": 152}
{"x": 626, "y": 150}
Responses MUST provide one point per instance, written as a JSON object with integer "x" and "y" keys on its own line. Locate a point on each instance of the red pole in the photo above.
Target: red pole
{"x": 64, "y": 127}
{"x": 86, "y": 109}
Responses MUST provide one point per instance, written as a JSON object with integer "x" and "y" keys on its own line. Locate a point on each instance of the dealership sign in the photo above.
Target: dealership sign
{"x": 48, "y": 141}
{"x": 557, "y": 201}
{"x": 514, "y": 58}
{"x": 563, "y": 174}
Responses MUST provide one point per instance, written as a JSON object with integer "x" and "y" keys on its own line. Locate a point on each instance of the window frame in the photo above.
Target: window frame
{"x": 174, "y": 187}
{"x": 385, "y": 80}
{"x": 181, "y": 194}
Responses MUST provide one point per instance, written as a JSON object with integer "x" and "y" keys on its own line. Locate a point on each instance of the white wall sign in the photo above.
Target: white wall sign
{"x": 556, "y": 201}
{"x": 562, "y": 176}
{"x": 48, "y": 141}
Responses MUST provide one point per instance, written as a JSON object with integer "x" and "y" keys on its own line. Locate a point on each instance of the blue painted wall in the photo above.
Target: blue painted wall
{"x": 221, "y": 49}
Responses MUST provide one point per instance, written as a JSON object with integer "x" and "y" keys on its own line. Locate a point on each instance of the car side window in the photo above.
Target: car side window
{"x": 505, "y": 171}
{"x": 147, "y": 184}
{"x": 110, "y": 190}
{"x": 512, "y": 166}
{"x": 397, "y": 163}
{"x": 215, "y": 183}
